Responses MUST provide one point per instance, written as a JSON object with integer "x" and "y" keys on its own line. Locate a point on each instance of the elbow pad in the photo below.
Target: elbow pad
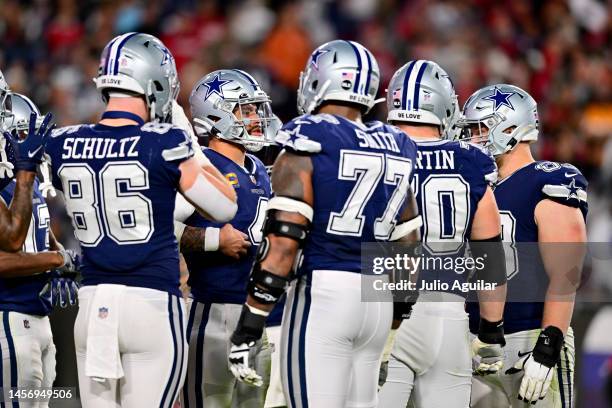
{"x": 210, "y": 200}
{"x": 491, "y": 250}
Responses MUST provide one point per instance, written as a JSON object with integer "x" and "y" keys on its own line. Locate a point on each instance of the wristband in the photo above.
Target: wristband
{"x": 249, "y": 328}
{"x": 179, "y": 229}
{"x": 211, "y": 239}
{"x": 491, "y": 332}
{"x": 547, "y": 350}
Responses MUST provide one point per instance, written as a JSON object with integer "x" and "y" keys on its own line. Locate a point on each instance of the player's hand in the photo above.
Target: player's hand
{"x": 60, "y": 291}
{"x": 71, "y": 265}
{"x": 64, "y": 292}
{"x": 539, "y": 365}
{"x": 489, "y": 358}
{"x": 536, "y": 378}
{"x": 6, "y": 167}
{"x": 487, "y": 347}
{"x": 232, "y": 242}
{"x": 245, "y": 344}
{"x": 46, "y": 186}
{"x": 29, "y": 152}
{"x": 179, "y": 119}
{"x": 241, "y": 360}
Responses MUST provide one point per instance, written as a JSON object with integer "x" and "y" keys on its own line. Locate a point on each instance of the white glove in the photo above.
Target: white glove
{"x": 536, "y": 378}
{"x": 539, "y": 365}
{"x": 489, "y": 358}
{"x": 240, "y": 359}
{"x": 6, "y": 167}
{"x": 46, "y": 187}
{"x": 179, "y": 119}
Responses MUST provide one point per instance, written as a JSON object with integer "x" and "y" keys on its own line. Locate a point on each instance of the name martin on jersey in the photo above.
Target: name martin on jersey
{"x": 436, "y": 159}
{"x": 99, "y": 148}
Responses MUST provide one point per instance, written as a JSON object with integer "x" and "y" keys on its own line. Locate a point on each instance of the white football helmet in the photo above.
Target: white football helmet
{"x": 141, "y": 64}
{"x": 508, "y": 112}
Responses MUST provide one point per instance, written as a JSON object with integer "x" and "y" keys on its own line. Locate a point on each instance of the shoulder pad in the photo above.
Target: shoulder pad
{"x": 563, "y": 183}
{"x": 65, "y": 130}
{"x": 178, "y": 144}
{"x": 482, "y": 159}
{"x": 159, "y": 127}
{"x": 302, "y": 135}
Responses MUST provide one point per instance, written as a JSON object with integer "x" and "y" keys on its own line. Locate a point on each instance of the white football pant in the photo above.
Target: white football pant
{"x": 209, "y": 381}
{"x": 332, "y": 341}
{"x": 430, "y": 360}
{"x": 152, "y": 348}
{"x": 28, "y": 355}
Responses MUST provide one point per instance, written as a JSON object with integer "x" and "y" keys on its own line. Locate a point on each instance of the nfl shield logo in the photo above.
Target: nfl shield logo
{"x": 103, "y": 312}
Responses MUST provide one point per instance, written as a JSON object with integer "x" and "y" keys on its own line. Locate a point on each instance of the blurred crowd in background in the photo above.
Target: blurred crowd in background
{"x": 557, "y": 50}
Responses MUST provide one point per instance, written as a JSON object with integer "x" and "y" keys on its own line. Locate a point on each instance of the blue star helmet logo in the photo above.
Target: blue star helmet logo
{"x": 213, "y": 86}
{"x": 167, "y": 56}
{"x": 500, "y": 99}
{"x": 314, "y": 59}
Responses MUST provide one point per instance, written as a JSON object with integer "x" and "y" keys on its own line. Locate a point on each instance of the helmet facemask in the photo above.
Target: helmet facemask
{"x": 249, "y": 121}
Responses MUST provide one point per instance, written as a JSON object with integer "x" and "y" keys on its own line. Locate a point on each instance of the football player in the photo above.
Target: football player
{"x": 119, "y": 178}
{"x": 230, "y": 108}
{"x": 431, "y": 358}
{"x": 338, "y": 182}
{"x": 26, "y": 283}
{"x": 15, "y": 218}
{"x": 543, "y": 202}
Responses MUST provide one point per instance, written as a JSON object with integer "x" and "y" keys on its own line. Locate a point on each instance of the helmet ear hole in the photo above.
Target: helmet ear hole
{"x": 158, "y": 86}
{"x": 314, "y": 85}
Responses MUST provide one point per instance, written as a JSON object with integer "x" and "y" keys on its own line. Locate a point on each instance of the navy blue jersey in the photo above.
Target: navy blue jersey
{"x": 213, "y": 276}
{"x": 450, "y": 180}
{"x": 120, "y": 185}
{"x": 517, "y": 197}
{"x": 22, "y": 294}
{"x": 361, "y": 176}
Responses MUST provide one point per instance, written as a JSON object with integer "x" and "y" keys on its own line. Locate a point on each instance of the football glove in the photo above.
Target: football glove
{"x": 539, "y": 365}
{"x": 246, "y": 343}
{"x": 64, "y": 292}
{"x": 242, "y": 360}
{"x": 487, "y": 347}
{"x": 72, "y": 263}
{"x": 6, "y": 167}
{"x": 29, "y": 152}
{"x": 60, "y": 291}
{"x": 46, "y": 186}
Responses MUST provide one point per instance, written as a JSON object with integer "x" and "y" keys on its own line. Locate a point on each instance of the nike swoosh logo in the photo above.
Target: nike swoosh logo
{"x": 523, "y": 354}
{"x": 570, "y": 174}
{"x": 479, "y": 108}
{"x": 32, "y": 154}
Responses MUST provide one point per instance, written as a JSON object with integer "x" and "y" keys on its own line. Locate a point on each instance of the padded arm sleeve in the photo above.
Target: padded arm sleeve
{"x": 210, "y": 200}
